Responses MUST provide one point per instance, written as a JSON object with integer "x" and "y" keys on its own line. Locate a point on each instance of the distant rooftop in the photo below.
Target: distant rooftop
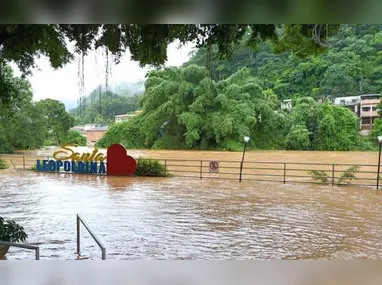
{"x": 124, "y": 115}
{"x": 97, "y": 129}
{"x": 358, "y": 96}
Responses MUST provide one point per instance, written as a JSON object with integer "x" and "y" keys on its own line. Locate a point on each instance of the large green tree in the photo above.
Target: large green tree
{"x": 184, "y": 108}
{"x": 57, "y": 120}
{"x": 21, "y": 123}
{"x": 322, "y": 127}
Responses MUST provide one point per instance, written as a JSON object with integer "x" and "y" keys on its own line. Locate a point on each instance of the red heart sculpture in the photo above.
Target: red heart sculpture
{"x": 118, "y": 162}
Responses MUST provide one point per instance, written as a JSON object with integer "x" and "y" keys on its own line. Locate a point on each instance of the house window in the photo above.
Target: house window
{"x": 365, "y": 109}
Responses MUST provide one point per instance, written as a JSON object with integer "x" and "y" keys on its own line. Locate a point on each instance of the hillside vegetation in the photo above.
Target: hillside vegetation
{"x": 105, "y": 110}
{"x": 211, "y": 103}
{"x": 101, "y": 106}
{"x": 231, "y": 87}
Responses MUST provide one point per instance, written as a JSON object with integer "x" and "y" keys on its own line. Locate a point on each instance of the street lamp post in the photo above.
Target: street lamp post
{"x": 246, "y": 140}
{"x": 379, "y": 158}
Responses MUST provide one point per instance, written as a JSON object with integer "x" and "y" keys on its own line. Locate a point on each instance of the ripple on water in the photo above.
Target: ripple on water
{"x": 190, "y": 219}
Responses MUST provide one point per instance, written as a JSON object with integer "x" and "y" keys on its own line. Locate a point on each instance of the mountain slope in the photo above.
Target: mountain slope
{"x": 125, "y": 89}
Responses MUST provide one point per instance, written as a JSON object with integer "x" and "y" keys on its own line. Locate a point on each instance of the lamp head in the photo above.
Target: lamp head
{"x": 246, "y": 139}
{"x": 379, "y": 139}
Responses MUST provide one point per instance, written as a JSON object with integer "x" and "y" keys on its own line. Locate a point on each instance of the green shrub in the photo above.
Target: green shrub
{"x": 126, "y": 133}
{"x": 377, "y": 129}
{"x": 349, "y": 174}
{"x": 232, "y": 145}
{"x": 3, "y": 164}
{"x": 319, "y": 175}
{"x": 113, "y": 135}
{"x": 49, "y": 142}
{"x": 74, "y": 137}
{"x": 10, "y": 231}
{"x": 150, "y": 167}
{"x": 367, "y": 144}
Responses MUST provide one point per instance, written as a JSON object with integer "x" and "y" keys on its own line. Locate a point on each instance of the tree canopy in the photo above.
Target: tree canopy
{"x": 147, "y": 44}
{"x": 21, "y": 125}
{"x": 102, "y": 108}
{"x": 57, "y": 120}
{"x": 25, "y": 124}
{"x": 232, "y": 86}
{"x": 351, "y": 66}
{"x": 185, "y": 109}
{"x": 212, "y": 102}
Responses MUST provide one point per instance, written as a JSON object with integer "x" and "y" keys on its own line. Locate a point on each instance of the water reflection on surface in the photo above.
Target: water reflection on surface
{"x": 176, "y": 218}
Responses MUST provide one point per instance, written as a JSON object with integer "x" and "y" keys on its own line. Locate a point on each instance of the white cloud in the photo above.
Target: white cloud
{"x": 63, "y": 84}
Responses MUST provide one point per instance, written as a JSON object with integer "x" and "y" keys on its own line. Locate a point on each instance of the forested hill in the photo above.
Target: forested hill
{"x": 104, "y": 111}
{"x": 119, "y": 88}
{"x": 211, "y": 103}
{"x": 351, "y": 66}
{"x": 103, "y": 104}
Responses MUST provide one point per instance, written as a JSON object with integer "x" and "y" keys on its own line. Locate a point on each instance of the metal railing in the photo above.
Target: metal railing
{"x": 25, "y": 246}
{"x": 276, "y": 171}
{"x": 102, "y": 247}
{"x": 269, "y": 171}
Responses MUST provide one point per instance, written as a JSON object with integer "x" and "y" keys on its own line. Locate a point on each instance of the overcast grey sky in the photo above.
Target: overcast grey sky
{"x": 63, "y": 84}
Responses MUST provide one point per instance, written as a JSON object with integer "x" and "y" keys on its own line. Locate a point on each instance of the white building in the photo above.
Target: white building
{"x": 126, "y": 117}
{"x": 347, "y": 101}
{"x": 286, "y": 104}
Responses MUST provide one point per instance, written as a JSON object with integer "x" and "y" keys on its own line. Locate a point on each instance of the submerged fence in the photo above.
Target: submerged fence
{"x": 265, "y": 171}
{"x": 274, "y": 171}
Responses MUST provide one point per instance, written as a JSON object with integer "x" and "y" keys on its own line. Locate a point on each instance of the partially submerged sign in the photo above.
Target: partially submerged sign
{"x": 68, "y": 154}
{"x": 71, "y": 166}
{"x": 67, "y": 160}
{"x": 214, "y": 166}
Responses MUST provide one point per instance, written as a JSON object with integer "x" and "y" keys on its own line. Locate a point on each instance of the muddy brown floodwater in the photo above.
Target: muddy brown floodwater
{"x": 181, "y": 218}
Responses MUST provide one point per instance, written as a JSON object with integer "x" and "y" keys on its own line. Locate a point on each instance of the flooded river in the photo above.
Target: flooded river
{"x": 181, "y": 218}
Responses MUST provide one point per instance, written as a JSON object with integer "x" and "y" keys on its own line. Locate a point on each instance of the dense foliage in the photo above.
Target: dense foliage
{"x": 351, "y": 65}
{"x": 185, "y": 109}
{"x": 211, "y": 103}
{"x": 10, "y": 231}
{"x": 128, "y": 133}
{"x": 231, "y": 87}
{"x": 57, "y": 121}
{"x": 74, "y": 137}
{"x": 322, "y": 127}
{"x": 147, "y": 44}
{"x": 150, "y": 167}
{"x": 103, "y": 111}
{"x": 21, "y": 124}
{"x": 25, "y": 124}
